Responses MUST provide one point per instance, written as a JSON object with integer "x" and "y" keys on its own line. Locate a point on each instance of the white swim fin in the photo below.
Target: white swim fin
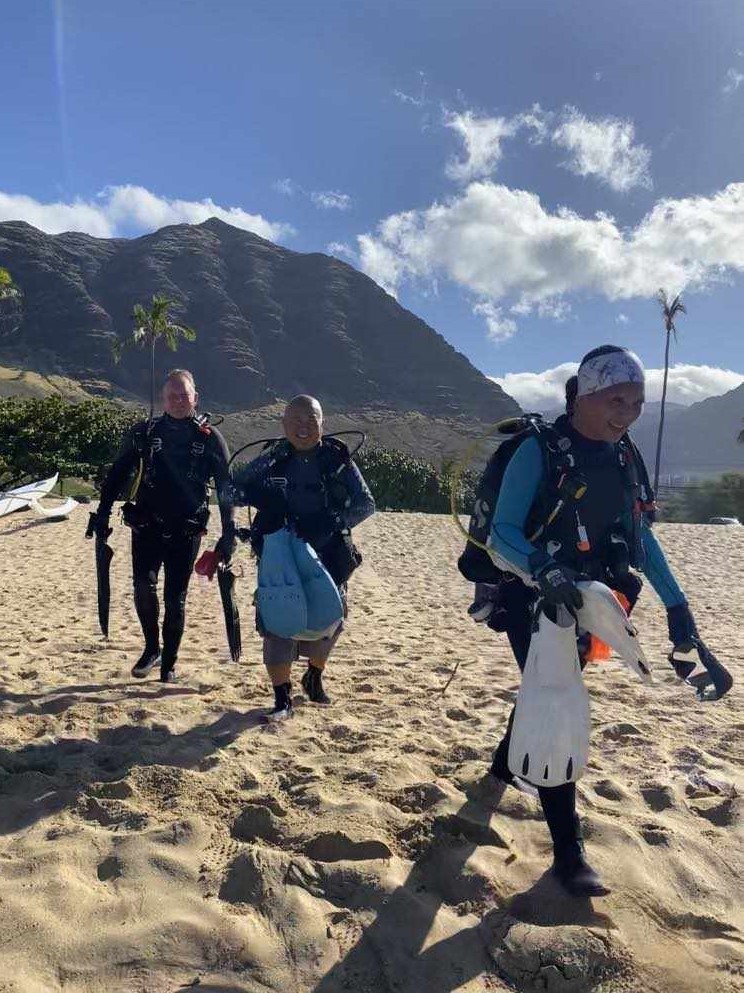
{"x": 604, "y": 617}
{"x": 550, "y": 736}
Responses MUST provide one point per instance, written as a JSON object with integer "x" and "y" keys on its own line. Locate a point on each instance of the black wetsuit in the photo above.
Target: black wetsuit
{"x": 178, "y": 458}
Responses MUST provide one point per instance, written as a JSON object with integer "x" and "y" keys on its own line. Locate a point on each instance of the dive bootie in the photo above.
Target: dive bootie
{"x": 312, "y": 684}
{"x": 500, "y": 772}
{"x": 282, "y": 709}
{"x": 146, "y": 662}
{"x": 576, "y": 876}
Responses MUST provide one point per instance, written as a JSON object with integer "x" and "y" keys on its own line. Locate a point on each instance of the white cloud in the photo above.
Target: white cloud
{"x": 499, "y": 326}
{"x": 622, "y": 319}
{"x": 545, "y": 391}
{"x": 331, "y": 200}
{"x": 323, "y": 199}
{"x": 286, "y": 187}
{"x": 733, "y": 81}
{"x": 415, "y": 101}
{"x": 538, "y": 390}
{"x": 690, "y": 383}
{"x": 496, "y": 243}
{"x": 555, "y": 309}
{"x": 482, "y": 137}
{"x": 124, "y": 210}
{"x": 535, "y": 120}
{"x": 407, "y": 98}
{"x": 341, "y": 249}
{"x": 601, "y": 147}
{"x": 604, "y": 148}
{"x": 56, "y": 217}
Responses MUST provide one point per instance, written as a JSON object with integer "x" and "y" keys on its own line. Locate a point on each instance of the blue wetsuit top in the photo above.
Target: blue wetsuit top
{"x": 519, "y": 488}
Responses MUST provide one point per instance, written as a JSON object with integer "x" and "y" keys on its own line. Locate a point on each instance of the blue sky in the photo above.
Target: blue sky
{"x": 522, "y": 175}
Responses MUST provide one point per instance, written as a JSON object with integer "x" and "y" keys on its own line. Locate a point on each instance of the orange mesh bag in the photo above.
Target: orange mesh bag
{"x": 598, "y": 650}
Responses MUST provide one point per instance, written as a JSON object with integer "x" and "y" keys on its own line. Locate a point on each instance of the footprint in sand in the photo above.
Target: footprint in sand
{"x": 621, "y": 732}
{"x": 118, "y": 790}
{"x": 113, "y": 814}
{"x": 257, "y": 822}
{"x": 110, "y": 868}
{"x": 244, "y": 881}
{"x": 608, "y": 789}
{"x": 335, "y": 846}
{"x": 721, "y": 811}
{"x": 658, "y": 796}
{"x": 362, "y": 777}
{"x": 458, "y": 714}
{"x": 418, "y": 798}
{"x": 655, "y": 834}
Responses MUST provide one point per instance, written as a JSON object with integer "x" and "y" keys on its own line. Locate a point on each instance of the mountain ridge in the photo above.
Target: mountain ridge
{"x": 271, "y": 322}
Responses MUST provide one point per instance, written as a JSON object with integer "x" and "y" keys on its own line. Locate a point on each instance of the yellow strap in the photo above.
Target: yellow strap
{"x": 460, "y": 469}
{"x": 137, "y": 480}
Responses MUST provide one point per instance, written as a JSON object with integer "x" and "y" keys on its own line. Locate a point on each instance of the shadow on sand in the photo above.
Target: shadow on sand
{"x": 400, "y": 951}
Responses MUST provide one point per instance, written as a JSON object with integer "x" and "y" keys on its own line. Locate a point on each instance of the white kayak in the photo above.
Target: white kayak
{"x": 34, "y": 490}
{"x": 54, "y": 512}
{"x": 10, "y": 503}
{"x": 27, "y": 498}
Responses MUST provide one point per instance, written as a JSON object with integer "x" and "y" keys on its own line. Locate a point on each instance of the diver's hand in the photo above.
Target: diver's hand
{"x": 683, "y": 632}
{"x": 558, "y": 586}
{"x": 226, "y": 546}
{"x": 98, "y": 525}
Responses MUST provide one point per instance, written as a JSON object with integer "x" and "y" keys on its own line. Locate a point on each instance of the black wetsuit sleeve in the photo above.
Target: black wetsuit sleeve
{"x": 222, "y": 481}
{"x": 250, "y": 484}
{"x": 360, "y": 503}
{"x": 117, "y": 476}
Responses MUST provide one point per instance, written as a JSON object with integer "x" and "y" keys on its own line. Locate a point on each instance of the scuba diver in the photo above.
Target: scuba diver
{"x": 573, "y": 502}
{"x": 306, "y": 482}
{"x": 174, "y": 457}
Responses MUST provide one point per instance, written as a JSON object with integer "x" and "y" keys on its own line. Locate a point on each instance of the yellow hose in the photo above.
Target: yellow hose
{"x": 460, "y": 469}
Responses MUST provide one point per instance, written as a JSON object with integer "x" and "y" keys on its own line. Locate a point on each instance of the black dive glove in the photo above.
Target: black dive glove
{"x": 683, "y": 632}
{"x": 558, "y": 586}
{"x": 98, "y": 525}
{"x": 226, "y": 546}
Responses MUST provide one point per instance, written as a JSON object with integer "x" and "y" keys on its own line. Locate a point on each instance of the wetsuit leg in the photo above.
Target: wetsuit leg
{"x": 179, "y": 555}
{"x": 147, "y": 557}
{"x": 519, "y": 632}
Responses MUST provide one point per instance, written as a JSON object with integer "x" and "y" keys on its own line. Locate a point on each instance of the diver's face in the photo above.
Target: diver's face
{"x": 607, "y": 414}
{"x": 303, "y": 426}
{"x": 179, "y": 397}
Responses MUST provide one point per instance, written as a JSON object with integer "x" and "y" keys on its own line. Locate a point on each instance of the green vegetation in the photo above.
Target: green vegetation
{"x": 697, "y": 503}
{"x": 8, "y": 289}
{"x": 39, "y": 437}
{"x": 403, "y": 482}
{"x": 10, "y": 304}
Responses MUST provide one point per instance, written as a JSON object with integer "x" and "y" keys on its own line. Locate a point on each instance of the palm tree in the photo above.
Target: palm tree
{"x": 670, "y": 310}
{"x": 8, "y": 289}
{"x": 150, "y": 325}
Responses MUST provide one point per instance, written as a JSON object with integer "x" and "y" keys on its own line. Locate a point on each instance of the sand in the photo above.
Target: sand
{"x": 159, "y": 838}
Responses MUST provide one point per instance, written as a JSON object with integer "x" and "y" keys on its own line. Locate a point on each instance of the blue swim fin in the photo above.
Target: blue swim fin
{"x": 280, "y": 598}
{"x": 324, "y": 606}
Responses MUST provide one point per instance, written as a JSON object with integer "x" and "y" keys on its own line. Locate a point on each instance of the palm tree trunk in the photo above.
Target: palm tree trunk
{"x": 661, "y": 418}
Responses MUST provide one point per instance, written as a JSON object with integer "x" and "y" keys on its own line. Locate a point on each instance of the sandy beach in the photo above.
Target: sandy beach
{"x": 158, "y": 838}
